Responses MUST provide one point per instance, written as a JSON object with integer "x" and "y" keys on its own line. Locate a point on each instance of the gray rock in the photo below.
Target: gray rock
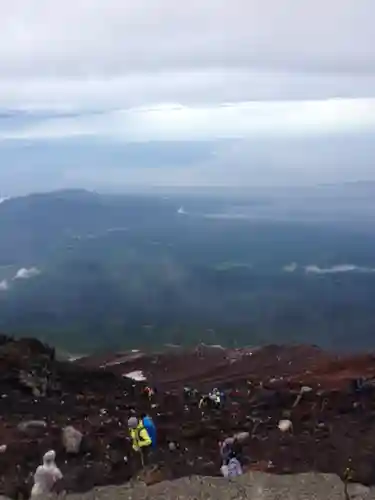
{"x": 35, "y": 424}
{"x": 305, "y": 389}
{"x": 242, "y": 436}
{"x": 71, "y": 439}
{"x": 251, "y": 486}
{"x": 358, "y": 491}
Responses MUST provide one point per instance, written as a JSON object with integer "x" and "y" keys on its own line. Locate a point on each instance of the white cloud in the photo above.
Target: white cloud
{"x": 342, "y": 268}
{"x": 290, "y": 268}
{"x": 88, "y": 37}
{"x": 111, "y": 54}
{"x": 248, "y": 68}
{"x": 25, "y": 274}
{"x": 4, "y": 286}
{"x": 240, "y": 120}
{"x": 203, "y": 86}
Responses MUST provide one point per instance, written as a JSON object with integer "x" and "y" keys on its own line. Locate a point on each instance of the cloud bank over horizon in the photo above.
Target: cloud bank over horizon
{"x": 242, "y": 84}
{"x": 336, "y": 269}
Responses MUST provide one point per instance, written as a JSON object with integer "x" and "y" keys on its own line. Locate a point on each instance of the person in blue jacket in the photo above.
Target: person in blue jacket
{"x": 150, "y": 427}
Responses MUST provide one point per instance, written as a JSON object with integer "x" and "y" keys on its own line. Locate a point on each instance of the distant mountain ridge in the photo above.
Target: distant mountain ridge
{"x": 106, "y": 271}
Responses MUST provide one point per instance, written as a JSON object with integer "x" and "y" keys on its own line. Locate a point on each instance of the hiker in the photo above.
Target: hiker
{"x": 234, "y": 466}
{"x": 203, "y": 401}
{"x": 226, "y": 449}
{"x": 141, "y": 440}
{"x": 230, "y": 446}
{"x": 150, "y": 428}
{"x": 358, "y": 384}
{"x": 149, "y": 391}
{"x": 216, "y": 397}
{"x": 46, "y": 476}
{"x": 188, "y": 393}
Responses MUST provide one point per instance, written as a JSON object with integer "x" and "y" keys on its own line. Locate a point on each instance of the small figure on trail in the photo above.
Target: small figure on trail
{"x": 149, "y": 391}
{"x": 190, "y": 393}
{"x": 187, "y": 392}
{"x": 226, "y": 449}
{"x": 213, "y": 398}
{"x": 138, "y": 433}
{"x": 150, "y": 428}
{"x": 347, "y": 478}
{"x": 358, "y": 384}
{"x": 230, "y": 445}
{"x": 233, "y": 468}
{"x": 203, "y": 401}
{"x": 250, "y": 387}
{"x": 46, "y": 476}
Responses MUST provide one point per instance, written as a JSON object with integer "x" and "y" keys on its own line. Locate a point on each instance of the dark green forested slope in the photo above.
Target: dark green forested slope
{"x": 118, "y": 271}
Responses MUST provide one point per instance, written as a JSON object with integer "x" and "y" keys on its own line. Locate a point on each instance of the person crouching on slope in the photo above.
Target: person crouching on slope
{"x": 234, "y": 468}
{"x": 141, "y": 440}
{"x": 46, "y": 476}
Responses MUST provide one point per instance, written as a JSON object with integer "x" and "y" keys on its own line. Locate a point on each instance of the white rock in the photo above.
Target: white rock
{"x": 242, "y": 436}
{"x": 285, "y": 425}
{"x": 72, "y": 439}
{"x": 136, "y": 375}
{"x": 24, "y": 426}
{"x": 3, "y": 448}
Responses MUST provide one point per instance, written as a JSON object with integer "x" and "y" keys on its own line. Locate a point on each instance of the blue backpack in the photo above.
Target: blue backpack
{"x": 150, "y": 428}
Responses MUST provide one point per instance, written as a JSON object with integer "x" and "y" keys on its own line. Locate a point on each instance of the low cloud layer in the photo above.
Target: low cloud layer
{"x": 343, "y": 268}
{"x": 340, "y": 268}
{"x": 21, "y": 274}
{"x": 4, "y": 286}
{"x": 113, "y": 55}
{"x": 87, "y": 37}
{"x": 105, "y": 74}
{"x": 181, "y": 123}
{"x": 24, "y": 274}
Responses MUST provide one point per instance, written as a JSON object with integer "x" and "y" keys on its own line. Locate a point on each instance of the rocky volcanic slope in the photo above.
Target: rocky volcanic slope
{"x": 331, "y": 423}
{"x": 251, "y": 486}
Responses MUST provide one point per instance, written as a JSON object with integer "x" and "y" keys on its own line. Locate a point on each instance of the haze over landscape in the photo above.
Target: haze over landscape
{"x": 232, "y": 145}
{"x": 187, "y": 233}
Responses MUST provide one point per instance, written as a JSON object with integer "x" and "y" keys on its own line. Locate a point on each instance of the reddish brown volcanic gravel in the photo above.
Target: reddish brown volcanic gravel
{"x": 331, "y": 423}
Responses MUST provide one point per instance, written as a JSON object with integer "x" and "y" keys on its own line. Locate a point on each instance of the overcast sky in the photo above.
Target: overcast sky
{"x": 241, "y": 92}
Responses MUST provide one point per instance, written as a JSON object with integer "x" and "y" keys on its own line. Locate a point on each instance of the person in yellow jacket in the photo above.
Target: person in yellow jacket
{"x": 138, "y": 433}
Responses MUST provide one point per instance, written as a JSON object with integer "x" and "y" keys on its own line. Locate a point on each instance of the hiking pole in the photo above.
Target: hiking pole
{"x": 142, "y": 458}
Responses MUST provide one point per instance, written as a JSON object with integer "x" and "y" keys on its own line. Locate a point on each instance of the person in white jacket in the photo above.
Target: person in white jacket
{"x": 46, "y": 476}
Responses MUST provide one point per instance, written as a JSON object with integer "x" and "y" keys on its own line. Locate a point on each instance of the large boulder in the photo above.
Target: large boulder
{"x": 242, "y": 436}
{"x": 72, "y": 439}
{"x": 31, "y": 424}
